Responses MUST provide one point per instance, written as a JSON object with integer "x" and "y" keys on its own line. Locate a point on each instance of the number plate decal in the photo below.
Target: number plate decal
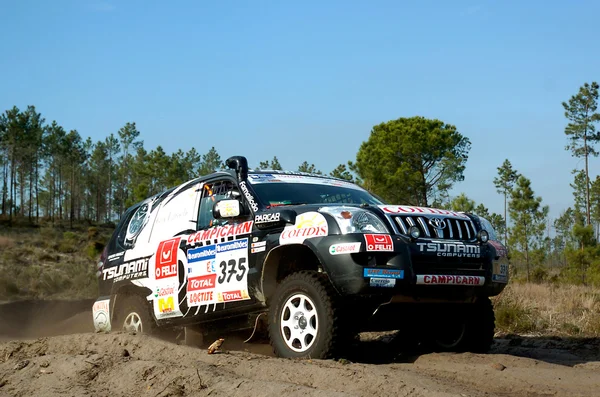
{"x": 500, "y": 273}
{"x": 218, "y": 273}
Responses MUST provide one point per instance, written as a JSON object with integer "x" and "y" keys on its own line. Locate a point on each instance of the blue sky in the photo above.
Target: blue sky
{"x": 308, "y": 80}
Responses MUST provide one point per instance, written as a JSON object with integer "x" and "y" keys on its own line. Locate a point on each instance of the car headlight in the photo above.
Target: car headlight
{"x": 355, "y": 220}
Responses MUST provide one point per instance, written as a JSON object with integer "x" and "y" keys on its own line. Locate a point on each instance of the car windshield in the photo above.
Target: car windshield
{"x": 283, "y": 189}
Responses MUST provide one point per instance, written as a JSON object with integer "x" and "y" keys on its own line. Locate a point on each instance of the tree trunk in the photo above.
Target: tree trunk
{"x": 72, "y": 212}
{"x": 4, "y": 186}
{"x": 30, "y": 194}
{"x": 11, "y": 203}
{"x": 505, "y": 222}
{"x": 37, "y": 191}
{"x": 527, "y": 252}
{"x": 587, "y": 177}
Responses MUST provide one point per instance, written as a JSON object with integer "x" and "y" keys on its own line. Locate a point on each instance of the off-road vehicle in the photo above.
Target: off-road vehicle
{"x": 321, "y": 258}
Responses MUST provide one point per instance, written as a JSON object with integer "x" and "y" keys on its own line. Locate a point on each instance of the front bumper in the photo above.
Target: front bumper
{"x": 409, "y": 268}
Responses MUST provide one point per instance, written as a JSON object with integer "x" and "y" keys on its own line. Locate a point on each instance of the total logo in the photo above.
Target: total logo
{"x": 379, "y": 242}
{"x": 233, "y": 296}
{"x": 308, "y": 225}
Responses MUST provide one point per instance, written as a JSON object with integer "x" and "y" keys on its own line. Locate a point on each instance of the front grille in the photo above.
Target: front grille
{"x": 454, "y": 229}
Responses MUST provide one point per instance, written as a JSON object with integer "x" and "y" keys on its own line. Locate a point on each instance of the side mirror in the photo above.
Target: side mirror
{"x": 227, "y": 209}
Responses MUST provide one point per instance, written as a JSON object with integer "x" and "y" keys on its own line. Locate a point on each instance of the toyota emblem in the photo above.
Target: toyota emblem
{"x": 437, "y": 223}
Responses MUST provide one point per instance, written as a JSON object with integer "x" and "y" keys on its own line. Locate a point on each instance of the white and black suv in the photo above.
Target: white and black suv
{"x": 323, "y": 258}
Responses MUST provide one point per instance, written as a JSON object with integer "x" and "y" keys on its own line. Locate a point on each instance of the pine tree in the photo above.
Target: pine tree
{"x": 581, "y": 131}
{"x": 529, "y": 219}
{"x": 504, "y": 183}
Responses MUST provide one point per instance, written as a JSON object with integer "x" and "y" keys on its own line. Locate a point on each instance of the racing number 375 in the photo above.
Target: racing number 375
{"x": 232, "y": 267}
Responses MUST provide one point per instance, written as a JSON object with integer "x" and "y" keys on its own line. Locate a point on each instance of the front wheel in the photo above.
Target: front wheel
{"x": 134, "y": 315}
{"x": 303, "y": 317}
{"x": 468, "y": 328}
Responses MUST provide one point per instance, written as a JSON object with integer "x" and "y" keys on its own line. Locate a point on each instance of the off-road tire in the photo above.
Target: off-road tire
{"x": 317, "y": 287}
{"x": 477, "y": 322}
{"x": 131, "y": 306}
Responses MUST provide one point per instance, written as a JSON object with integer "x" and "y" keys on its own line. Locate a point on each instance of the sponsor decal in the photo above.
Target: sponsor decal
{"x": 344, "y": 248}
{"x": 405, "y": 209}
{"x": 451, "y": 249}
{"x": 299, "y": 177}
{"x": 233, "y": 296}
{"x": 100, "y": 313}
{"x": 450, "y": 280}
{"x": 249, "y": 196}
{"x": 267, "y": 218}
{"x": 383, "y": 273}
{"x": 134, "y": 269}
{"x": 500, "y": 272}
{"x": 308, "y": 225}
{"x": 116, "y": 256}
{"x": 164, "y": 291}
{"x": 202, "y": 282}
{"x": 379, "y": 242}
{"x": 220, "y": 231}
{"x": 200, "y": 298}
{"x": 201, "y": 254}
{"x": 225, "y": 270}
{"x": 382, "y": 282}
{"x": 166, "y": 259}
{"x": 259, "y": 247}
{"x": 177, "y": 213}
{"x": 166, "y": 305}
{"x": 232, "y": 245}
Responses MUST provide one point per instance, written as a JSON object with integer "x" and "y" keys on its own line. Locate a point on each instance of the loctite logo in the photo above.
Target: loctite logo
{"x": 379, "y": 242}
{"x": 202, "y": 282}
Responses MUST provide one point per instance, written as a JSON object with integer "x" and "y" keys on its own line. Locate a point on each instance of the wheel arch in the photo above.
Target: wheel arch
{"x": 285, "y": 260}
{"x": 118, "y": 297}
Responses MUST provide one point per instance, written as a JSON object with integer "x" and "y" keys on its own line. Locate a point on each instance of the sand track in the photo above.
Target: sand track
{"x": 49, "y": 349}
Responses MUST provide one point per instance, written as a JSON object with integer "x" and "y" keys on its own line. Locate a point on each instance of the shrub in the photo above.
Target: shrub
{"x": 512, "y": 317}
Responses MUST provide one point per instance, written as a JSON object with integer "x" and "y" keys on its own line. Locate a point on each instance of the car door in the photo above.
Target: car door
{"x": 218, "y": 254}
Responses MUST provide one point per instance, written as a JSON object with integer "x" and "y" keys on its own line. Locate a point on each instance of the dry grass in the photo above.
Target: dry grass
{"x": 50, "y": 262}
{"x": 6, "y": 242}
{"x": 550, "y": 309}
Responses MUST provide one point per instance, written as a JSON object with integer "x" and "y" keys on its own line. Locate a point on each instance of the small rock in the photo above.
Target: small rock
{"x": 2, "y": 383}
{"x": 21, "y": 365}
{"x": 45, "y": 371}
{"x": 44, "y": 364}
{"x": 125, "y": 353}
{"x": 498, "y": 366}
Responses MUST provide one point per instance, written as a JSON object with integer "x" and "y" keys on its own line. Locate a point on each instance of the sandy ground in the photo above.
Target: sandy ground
{"x": 49, "y": 349}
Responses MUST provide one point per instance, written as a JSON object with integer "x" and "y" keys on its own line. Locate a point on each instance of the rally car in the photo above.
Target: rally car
{"x": 321, "y": 258}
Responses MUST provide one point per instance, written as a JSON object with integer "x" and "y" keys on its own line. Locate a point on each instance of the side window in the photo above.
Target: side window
{"x": 211, "y": 193}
